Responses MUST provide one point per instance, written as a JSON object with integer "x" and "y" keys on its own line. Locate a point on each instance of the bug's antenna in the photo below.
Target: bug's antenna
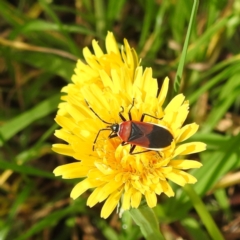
{"x": 96, "y": 113}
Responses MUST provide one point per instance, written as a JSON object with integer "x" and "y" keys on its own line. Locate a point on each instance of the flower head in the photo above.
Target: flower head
{"x": 105, "y": 86}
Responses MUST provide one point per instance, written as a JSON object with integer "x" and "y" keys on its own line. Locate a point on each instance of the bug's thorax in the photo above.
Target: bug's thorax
{"x": 125, "y": 130}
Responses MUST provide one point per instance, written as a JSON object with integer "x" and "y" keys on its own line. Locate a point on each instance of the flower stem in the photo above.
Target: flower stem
{"x": 204, "y": 214}
{"x": 146, "y": 219}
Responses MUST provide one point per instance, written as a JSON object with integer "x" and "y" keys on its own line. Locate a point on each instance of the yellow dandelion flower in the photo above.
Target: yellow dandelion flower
{"x": 109, "y": 88}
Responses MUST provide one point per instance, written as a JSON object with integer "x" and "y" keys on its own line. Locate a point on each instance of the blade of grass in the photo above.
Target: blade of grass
{"x": 145, "y": 218}
{"x": 130, "y": 230}
{"x": 194, "y": 228}
{"x": 178, "y": 77}
{"x": 229, "y": 71}
{"x": 179, "y": 18}
{"x": 41, "y": 25}
{"x": 11, "y": 14}
{"x": 226, "y": 98}
{"x": 216, "y": 164}
{"x": 23, "y": 169}
{"x": 212, "y": 72}
{"x": 106, "y": 230}
{"x": 219, "y": 111}
{"x": 203, "y": 213}
{"x": 223, "y": 202}
{"x": 48, "y": 10}
{"x": 100, "y": 17}
{"x": 32, "y": 48}
{"x": 52, "y": 219}
{"x": 18, "y": 201}
{"x": 39, "y": 148}
{"x": 149, "y": 8}
{"x": 18, "y": 123}
{"x": 204, "y": 39}
{"x": 213, "y": 140}
{"x": 113, "y": 11}
{"x": 157, "y": 40}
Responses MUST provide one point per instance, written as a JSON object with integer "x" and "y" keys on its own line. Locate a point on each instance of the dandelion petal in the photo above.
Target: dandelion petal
{"x": 110, "y": 204}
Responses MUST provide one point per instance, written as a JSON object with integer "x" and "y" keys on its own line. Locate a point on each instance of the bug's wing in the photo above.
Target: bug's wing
{"x": 138, "y": 134}
{"x": 159, "y": 137}
{"x": 148, "y": 135}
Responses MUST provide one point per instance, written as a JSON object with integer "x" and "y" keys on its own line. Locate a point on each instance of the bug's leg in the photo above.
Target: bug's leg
{"x": 124, "y": 143}
{"x": 132, "y": 149}
{"x": 95, "y": 140}
{"x": 133, "y": 153}
{"x": 146, "y": 114}
{"x": 122, "y": 109}
{"x": 121, "y": 116}
{"x": 160, "y": 155}
{"x": 149, "y": 150}
{"x": 129, "y": 111}
{"x": 112, "y": 135}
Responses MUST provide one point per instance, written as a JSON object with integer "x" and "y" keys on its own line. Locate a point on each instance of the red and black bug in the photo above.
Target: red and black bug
{"x": 150, "y": 136}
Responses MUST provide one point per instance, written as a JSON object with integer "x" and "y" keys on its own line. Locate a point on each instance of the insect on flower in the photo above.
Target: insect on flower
{"x": 151, "y": 136}
{"x": 108, "y": 80}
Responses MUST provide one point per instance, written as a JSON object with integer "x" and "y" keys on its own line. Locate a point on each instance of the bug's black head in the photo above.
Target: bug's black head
{"x": 115, "y": 127}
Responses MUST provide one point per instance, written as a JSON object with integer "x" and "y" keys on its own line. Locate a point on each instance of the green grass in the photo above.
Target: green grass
{"x": 40, "y": 42}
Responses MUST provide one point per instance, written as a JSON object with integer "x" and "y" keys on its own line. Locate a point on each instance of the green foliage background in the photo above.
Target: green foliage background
{"x": 40, "y": 42}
